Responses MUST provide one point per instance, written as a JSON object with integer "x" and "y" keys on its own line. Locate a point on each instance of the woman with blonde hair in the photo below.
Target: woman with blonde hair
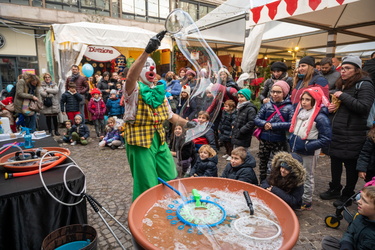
{"x": 307, "y": 76}
{"x": 28, "y": 87}
{"x": 51, "y": 102}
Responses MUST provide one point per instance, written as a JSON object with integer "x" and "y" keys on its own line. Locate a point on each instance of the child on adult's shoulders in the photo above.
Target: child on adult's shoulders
{"x": 80, "y": 131}
{"x": 241, "y": 166}
{"x": 286, "y": 179}
{"x": 361, "y": 231}
{"x": 206, "y": 164}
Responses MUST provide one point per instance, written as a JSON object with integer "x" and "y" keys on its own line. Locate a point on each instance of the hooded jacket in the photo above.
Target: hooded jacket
{"x": 243, "y": 172}
{"x": 81, "y": 129}
{"x": 279, "y": 128}
{"x": 114, "y": 108}
{"x": 313, "y": 133}
{"x": 348, "y": 123}
{"x": 206, "y": 167}
{"x": 294, "y": 196}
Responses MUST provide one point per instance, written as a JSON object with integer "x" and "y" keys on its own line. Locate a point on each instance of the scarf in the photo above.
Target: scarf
{"x": 152, "y": 96}
{"x": 31, "y": 89}
{"x": 74, "y": 77}
{"x": 240, "y": 105}
{"x": 304, "y": 114}
{"x": 97, "y": 99}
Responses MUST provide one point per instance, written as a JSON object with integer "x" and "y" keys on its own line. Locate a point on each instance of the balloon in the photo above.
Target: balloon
{"x": 9, "y": 87}
{"x": 87, "y": 70}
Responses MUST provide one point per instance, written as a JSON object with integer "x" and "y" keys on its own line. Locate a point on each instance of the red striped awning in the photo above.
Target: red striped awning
{"x": 286, "y": 8}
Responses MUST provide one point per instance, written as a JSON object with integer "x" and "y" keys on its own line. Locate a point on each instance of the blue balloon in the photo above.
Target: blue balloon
{"x": 87, "y": 70}
{"x": 9, "y": 87}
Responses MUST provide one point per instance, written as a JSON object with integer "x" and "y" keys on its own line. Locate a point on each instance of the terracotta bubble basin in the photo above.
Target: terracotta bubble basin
{"x": 286, "y": 217}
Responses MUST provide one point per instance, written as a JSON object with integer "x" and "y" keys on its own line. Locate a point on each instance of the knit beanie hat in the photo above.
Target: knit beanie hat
{"x": 353, "y": 60}
{"x": 284, "y": 86}
{"x": 79, "y": 116}
{"x": 192, "y": 72}
{"x": 246, "y": 93}
{"x": 279, "y": 66}
{"x": 308, "y": 60}
{"x": 316, "y": 93}
{"x": 95, "y": 91}
{"x": 113, "y": 91}
{"x": 186, "y": 89}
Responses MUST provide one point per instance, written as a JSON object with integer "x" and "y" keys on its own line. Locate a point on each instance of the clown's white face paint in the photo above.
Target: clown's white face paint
{"x": 148, "y": 72}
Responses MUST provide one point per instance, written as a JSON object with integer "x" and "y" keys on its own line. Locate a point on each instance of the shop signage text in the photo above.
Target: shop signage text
{"x": 101, "y": 53}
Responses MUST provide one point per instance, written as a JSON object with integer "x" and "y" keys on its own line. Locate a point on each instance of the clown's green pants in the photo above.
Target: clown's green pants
{"x": 147, "y": 164}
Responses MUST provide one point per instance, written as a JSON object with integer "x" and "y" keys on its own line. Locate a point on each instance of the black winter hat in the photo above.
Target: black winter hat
{"x": 279, "y": 66}
{"x": 308, "y": 60}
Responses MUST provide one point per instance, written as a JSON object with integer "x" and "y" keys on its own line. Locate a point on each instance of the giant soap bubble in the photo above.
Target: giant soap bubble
{"x": 188, "y": 38}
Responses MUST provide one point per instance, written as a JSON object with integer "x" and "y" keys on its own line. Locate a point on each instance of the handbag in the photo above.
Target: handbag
{"x": 47, "y": 102}
{"x": 258, "y": 131}
{"x": 35, "y": 105}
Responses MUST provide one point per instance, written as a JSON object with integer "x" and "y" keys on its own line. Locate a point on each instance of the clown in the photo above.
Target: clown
{"x": 146, "y": 108}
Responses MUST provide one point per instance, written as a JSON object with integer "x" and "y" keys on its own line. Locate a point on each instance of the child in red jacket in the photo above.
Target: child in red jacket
{"x": 97, "y": 108}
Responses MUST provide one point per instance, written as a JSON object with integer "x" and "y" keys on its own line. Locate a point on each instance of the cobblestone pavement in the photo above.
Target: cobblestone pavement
{"x": 109, "y": 181}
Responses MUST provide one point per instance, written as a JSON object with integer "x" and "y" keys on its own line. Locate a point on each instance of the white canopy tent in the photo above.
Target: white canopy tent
{"x": 72, "y": 39}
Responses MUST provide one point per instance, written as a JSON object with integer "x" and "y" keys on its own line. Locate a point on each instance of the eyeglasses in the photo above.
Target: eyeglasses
{"x": 276, "y": 92}
{"x": 47, "y": 77}
{"x": 346, "y": 68}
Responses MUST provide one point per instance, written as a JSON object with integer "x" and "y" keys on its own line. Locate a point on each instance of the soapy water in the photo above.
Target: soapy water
{"x": 232, "y": 233}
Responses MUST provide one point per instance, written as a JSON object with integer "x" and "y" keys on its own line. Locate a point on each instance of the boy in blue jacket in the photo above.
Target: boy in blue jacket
{"x": 113, "y": 105}
{"x": 310, "y": 131}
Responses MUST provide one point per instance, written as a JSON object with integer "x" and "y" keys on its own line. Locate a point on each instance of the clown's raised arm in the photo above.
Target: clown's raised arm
{"x": 136, "y": 69}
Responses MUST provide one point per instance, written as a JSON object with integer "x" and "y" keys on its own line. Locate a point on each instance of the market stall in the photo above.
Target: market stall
{"x": 104, "y": 46}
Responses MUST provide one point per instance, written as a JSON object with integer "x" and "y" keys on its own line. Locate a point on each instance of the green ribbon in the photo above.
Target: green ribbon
{"x": 152, "y": 96}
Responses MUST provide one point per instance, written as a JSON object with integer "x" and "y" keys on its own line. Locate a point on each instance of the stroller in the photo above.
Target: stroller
{"x": 342, "y": 212}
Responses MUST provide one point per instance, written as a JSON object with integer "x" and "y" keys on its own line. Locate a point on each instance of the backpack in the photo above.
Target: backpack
{"x": 371, "y": 115}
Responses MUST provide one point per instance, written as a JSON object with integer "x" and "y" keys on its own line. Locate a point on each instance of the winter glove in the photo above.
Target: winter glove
{"x": 154, "y": 42}
{"x": 191, "y": 124}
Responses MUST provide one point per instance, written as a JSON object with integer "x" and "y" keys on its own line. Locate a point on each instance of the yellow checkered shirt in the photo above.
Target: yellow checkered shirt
{"x": 147, "y": 120}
